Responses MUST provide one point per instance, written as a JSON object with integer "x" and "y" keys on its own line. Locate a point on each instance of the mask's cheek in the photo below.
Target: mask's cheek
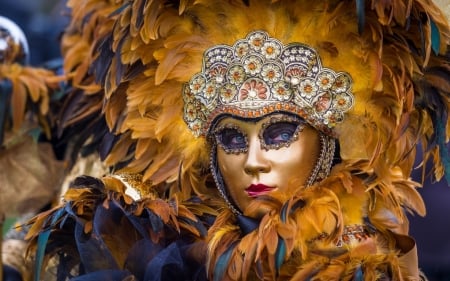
{"x": 231, "y": 168}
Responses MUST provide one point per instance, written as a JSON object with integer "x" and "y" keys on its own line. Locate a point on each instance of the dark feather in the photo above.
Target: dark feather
{"x": 110, "y": 274}
{"x": 102, "y": 62}
{"x": 361, "y": 13}
{"x": 94, "y": 253}
{"x": 140, "y": 255}
{"x": 247, "y": 224}
{"x": 422, "y": 39}
{"x": 139, "y": 14}
{"x": 120, "y": 10}
{"x": 119, "y": 67}
{"x": 42, "y": 242}
{"x": 134, "y": 70}
{"x": 106, "y": 145}
{"x": 155, "y": 221}
{"x": 140, "y": 224}
{"x": 5, "y": 97}
{"x": 168, "y": 265}
{"x": 196, "y": 224}
{"x": 89, "y": 182}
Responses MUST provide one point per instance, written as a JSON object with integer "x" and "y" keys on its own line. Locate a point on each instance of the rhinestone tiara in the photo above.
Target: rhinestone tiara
{"x": 259, "y": 75}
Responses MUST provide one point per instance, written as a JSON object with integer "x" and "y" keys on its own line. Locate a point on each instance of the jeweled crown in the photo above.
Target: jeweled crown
{"x": 259, "y": 75}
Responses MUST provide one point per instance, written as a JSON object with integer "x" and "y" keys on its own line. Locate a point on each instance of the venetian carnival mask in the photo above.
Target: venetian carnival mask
{"x": 274, "y": 153}
{"x": 262, "y": 100}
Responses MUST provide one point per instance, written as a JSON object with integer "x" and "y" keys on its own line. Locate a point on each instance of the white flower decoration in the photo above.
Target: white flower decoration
{"x": 271, "y": 73}
{"x": 271, "y": 50}
{"x": 236, "y": 75}
{"x": 308, "y": 88}
{"x": 342, "y": 102}
{"x": 281, "y": 91}
{"x": 228, "y": 93}
{"x": 196, "y": 127}
{"x": 241, "y": 49}
{"x": 256, "y": 41}
{"x": 325, "y": 80}
{"x": 187, "y": 94}
{"x": 342, "y": 83}
{"x": 197, "y": 84}
{"x": 190, "y": 112}
{"x": 252, "y": 65}
{"x": 210, "y": 90}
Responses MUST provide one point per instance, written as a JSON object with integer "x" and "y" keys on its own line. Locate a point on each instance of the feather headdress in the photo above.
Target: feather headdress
{"x": 144, "y": 51}
{"x": 136, "y": 57}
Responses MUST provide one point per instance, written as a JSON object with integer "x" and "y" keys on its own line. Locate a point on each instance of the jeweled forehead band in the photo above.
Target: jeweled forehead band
{"x": 259, "y": 75}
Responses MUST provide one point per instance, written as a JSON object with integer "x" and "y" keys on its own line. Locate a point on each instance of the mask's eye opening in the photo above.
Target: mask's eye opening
{"x": 280, "y": 132}
{"x": 231, "y": 139}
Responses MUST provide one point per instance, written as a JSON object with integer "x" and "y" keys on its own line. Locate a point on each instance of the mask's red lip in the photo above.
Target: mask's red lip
{"x": 256, "y": 190}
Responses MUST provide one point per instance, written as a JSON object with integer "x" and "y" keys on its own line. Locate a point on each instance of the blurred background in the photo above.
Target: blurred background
{"x": 43, "y": 22}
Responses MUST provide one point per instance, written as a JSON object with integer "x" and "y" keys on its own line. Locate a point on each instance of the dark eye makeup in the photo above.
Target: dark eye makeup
{"x": 280, "y": 131}
{"x": 231, "y": 139}
{"x": 277, "y": 132}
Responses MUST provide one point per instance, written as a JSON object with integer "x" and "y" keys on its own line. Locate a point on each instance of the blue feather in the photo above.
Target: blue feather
{"x": 284, "y": 213}
{"x": 435, "y": 37}
{"x": 359, "y": 274}
{"x": 443, "y": 149}
{"x": 360, "y": 11}
{"x": 109, "y": 274}
{"x": 247, "y": 224}
{"x": 280, "y": 253}
{"x": 42, "y": 243}
{"x": 222, "y": 264}
{"x": 5, "y": 97}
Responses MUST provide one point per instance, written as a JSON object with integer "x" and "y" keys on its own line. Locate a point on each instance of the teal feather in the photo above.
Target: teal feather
{"x": 359, "y": 274}
{"x": 42, "y": 242}
{"x": 360, "y": 11}
{"x": 41, "y": 245}
{"x": 35, "y": 133}
{"x": 435, "y": 37}
{"x": 284, "y": 214}
{"x": 443, "y": 149}
{"x": 280, "y": 253}
{"x": 222, "y": 263}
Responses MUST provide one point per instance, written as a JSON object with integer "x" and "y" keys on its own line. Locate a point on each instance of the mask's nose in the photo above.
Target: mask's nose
{"x": 256, "y": 162}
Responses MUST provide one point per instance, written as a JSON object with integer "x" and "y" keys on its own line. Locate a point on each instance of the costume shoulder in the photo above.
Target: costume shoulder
{"x": 105, "y": 230}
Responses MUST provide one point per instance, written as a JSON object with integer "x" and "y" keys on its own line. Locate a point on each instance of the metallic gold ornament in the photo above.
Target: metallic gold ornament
{"x": 259, "y": 75}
